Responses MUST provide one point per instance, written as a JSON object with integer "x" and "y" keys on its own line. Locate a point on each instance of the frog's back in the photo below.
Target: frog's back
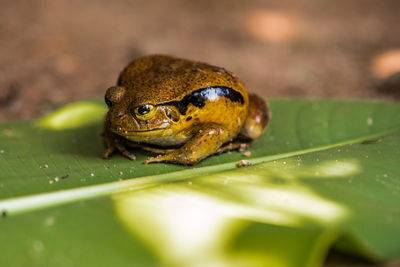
{"x": 161, "y": 79}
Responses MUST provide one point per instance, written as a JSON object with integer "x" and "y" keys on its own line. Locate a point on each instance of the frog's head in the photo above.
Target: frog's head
{"x": 131, "y": 118}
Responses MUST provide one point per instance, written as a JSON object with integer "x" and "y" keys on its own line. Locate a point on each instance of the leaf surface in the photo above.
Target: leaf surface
{"x": 327, "y": 174}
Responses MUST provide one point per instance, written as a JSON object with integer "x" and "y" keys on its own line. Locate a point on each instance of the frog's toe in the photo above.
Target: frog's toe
{"x": 122, "y": 149}
{"x": 129, "y": 155}
{"x": 159, "y": 158}
{"x": 173, "y": 158}
{"x": 107, "y": 153}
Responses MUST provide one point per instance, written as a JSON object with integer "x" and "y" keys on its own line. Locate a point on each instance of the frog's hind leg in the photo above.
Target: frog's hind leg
{"x": 238, "y": 144}
{"x": 208, "y": 139}
{"x": 257, "y": 118}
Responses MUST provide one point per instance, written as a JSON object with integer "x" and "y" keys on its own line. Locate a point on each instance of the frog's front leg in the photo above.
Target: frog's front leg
{"x": 113, "y": 142}
{"x": 205, "y": 142}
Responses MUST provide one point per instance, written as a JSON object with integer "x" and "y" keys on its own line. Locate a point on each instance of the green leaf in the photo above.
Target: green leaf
{"x": 73, "y": 116}
{"x": 327, "y": 174}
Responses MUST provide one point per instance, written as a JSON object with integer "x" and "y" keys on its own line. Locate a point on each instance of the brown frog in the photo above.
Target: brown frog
{"x": 181, "y": 109}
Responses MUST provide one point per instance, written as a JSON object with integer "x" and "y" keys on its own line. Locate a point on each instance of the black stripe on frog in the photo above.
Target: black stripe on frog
{"x": 199, "y": 97}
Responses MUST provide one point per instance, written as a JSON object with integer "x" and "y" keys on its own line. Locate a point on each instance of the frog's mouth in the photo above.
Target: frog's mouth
{"x": 146, "y": 131}
{"x": 133, "y": 132}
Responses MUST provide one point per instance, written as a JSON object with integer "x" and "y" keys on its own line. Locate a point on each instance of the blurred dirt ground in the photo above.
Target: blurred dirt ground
{"x": 55, "y": 52}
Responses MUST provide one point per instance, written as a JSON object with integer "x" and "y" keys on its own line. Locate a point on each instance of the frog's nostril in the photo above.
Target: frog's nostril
{"x": 120, "y": 115}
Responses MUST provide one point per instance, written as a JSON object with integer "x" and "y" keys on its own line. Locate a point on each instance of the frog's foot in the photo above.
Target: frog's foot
{"x": 122, "y": 149}
{"x": 110, "y": 146}
{"x": 174, "y": 157}
{"x": 159, "y": 158}
{"x": 237, "y": 145}
{"x": 113, "y": 143}
{"x": 107, "y": 152}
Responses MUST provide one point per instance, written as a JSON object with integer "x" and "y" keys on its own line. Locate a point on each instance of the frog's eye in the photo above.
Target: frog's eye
{"x": 143, "y": 112}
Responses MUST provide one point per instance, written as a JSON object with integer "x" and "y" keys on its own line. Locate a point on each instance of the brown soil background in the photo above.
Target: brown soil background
{"x": 56, "y": 52}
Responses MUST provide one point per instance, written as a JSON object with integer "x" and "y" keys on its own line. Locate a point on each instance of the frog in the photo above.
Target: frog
{"x": 181, "y": 110}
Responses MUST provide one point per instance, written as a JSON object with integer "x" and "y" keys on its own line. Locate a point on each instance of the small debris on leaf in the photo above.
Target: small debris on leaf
{"x": 65, "y": 176}
{"x": 45, "y": 166}
{"x": 243, "y": 163}
{"x": 247, "y": 154}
